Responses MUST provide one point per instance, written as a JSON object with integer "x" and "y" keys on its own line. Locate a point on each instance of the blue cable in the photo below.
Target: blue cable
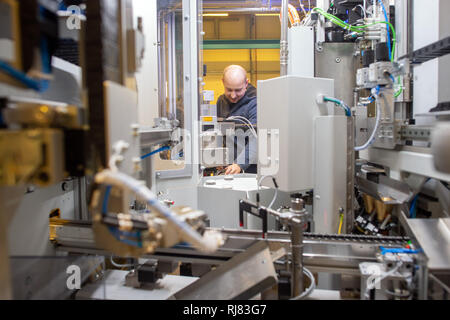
{"x": 37, "y": 85}
{"x": 182, "y": 245}
{"x": 348, "y": 112}
{"x": 154, "y": 152}
{"x": 62, "y": 6}
{"x": 45, "y": 56}
{"x": 392, "y": 78}
{"x": 105, "y": 200}
{"x": 412, "y": 210}
{"x": 118, "y": 234}
{"x": 46, "y": 63}
{"x": 398, "y": 250}
{"x": 21, "y": 77}
{"x": 388, "y": 33}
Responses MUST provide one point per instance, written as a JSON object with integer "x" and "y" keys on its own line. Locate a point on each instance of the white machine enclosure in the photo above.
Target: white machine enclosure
{"x": 219, "y": 197}
{"x": 330, "y": 172}
{"x": 288, "y": 105}
{"x": 301, "y": 51}
{"x": 123, "y": 126}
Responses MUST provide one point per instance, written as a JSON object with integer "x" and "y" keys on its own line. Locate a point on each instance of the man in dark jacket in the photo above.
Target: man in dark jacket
{"x": 239, "y": 100}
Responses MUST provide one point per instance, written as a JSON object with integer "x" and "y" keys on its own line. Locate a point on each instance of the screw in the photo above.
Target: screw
{"x": 338, "y": 60}
{"x": 319, "y": 47}
{"x": 135, "y": 129}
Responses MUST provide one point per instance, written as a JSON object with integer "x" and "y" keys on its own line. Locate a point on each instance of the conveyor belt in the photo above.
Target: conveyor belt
{"x": 278, "y": 235}
{"x": 358, "y": 238}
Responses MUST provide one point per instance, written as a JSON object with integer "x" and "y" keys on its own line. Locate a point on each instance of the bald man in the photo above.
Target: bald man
{"x": 239, "y": 99}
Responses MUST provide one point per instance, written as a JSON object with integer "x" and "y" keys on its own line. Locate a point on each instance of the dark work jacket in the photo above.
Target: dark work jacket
{"x": 246, "y": 107}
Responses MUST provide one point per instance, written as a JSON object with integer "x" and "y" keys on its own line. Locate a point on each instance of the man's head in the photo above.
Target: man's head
{"x": 235, "y": 83}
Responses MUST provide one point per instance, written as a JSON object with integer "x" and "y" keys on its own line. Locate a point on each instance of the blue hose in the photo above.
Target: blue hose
{"x": 388, "y": 33}
{"x": 348, "y": 112}
{"x": 118, "y": 234}
{"x": 105, "y": 200}
{"x": 37, "y": 85}
{"x": 154, "y": 152}
{"x": 398, "y": 250}
{"x": 22, "y": 77}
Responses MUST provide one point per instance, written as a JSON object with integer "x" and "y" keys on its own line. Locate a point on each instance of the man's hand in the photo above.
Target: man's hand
{"x": 233, "y": 169}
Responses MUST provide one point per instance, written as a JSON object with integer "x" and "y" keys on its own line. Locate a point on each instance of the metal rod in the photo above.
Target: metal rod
{"x": 297, "y": 259}
{"x": 243, "y": 10}
{"x": 161, "y": 66}
{"x": 284, "y": 52}
{"x": 172, "y": 64}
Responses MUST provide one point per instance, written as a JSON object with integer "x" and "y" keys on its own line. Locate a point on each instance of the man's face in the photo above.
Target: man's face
{"x": 235, "y": 89}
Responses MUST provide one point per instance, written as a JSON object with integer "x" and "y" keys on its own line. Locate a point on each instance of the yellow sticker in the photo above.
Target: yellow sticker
{"x": 207, "y": 119}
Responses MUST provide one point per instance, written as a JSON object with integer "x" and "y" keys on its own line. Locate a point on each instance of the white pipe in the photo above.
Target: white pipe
{"x": 210, "y": 242}
{"x": 311, "y": 288}
{"x": 375, "y": 130}
{"x": 284, "y": 53}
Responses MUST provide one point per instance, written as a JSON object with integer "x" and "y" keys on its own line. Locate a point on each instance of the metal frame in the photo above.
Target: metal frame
{"x": 240, "y": 278}
{"x": 80, "y": 192}
{"x": 172, "y": 65}
{"x": 241, "y": 44}
{"x": 190, "y": 75}
{"x": 407, "y": 159}
{"x": 161, "y": 65}
{"x": 327, "y": 253}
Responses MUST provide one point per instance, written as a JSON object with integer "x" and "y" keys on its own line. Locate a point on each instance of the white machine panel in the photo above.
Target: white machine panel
{"x": 219, "y": 198}
{"x": 122, "y": 125}
{"x": 330, "y": 173}
{"x": 287, "y": 106}
{"x": 301, "y": 51}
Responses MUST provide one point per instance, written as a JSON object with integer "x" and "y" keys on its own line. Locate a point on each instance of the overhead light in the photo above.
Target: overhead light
{"x": 215, "y": 14}
{"x": 267, "y": 14}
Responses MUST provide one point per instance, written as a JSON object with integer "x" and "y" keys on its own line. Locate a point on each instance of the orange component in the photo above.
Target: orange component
{"x": 294, "y": 17}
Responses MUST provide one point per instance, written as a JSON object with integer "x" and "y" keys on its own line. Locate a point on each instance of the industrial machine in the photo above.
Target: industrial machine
{"x": 108, "y": 143}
